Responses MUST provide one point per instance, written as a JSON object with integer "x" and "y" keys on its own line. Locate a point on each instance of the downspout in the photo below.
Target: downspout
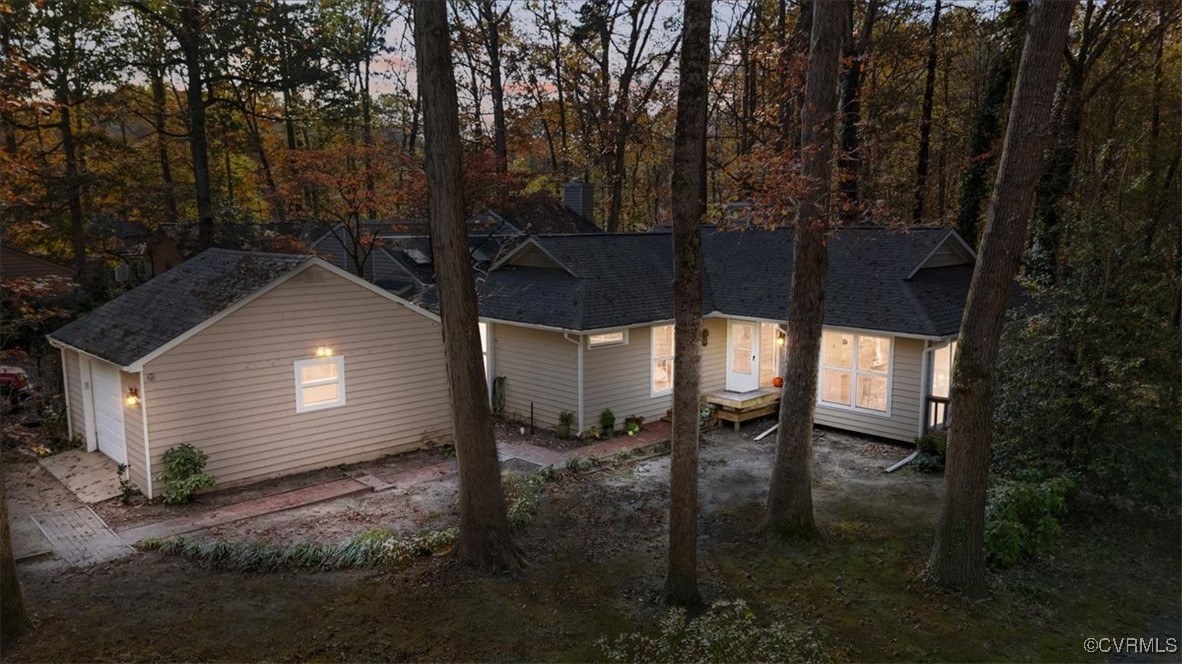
{"x": 66, "y": 395}
{"x": 579, "y": 397}
{"x": 924, "y": 373}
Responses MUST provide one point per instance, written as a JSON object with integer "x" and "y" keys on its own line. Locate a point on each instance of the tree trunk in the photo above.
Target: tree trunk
{"x": 72, "y": 176}
{"x": 925, "y": 118}
{"x": 958, "y": 557}
{"x": 974, "y": 187}
{"x": 14, "y": 619}
{"x": 688, "y": 208}
{"x": 790, "y": 500}
{"x": 492, "y": 44}
{"x": 795, "y": 52}
{"x": 190, "y": 41}
{"x": 158, "y": 111}
{"x": 851, "y": 115}
{"x": 485, "y": 541}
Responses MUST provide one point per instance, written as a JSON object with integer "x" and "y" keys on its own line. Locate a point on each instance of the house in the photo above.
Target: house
{"x": 583, "y": 323}
{"x": 272, "y": 364}
{"x": 400, "y": 257}
{"x": 15, "y": 264}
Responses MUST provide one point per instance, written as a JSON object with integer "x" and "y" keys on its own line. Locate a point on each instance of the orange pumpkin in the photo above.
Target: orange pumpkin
{"x": 778, "y": 382}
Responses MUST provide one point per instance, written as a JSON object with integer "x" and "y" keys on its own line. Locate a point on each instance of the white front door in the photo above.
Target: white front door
{"x": 107, "y": 401}
{"x": 742, "y": 356}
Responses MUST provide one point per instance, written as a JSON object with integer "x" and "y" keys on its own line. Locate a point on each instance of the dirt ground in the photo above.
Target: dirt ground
{"x": 596, "y": 553}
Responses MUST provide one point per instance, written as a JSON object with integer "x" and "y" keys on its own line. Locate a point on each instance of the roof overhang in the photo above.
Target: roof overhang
{"x": 313, "y": 261}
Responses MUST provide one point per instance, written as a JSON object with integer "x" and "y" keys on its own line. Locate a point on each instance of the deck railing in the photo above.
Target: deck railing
{"x": 937, "y": 413}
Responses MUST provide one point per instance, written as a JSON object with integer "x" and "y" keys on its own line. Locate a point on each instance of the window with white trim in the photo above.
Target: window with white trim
{"x": 662, "y": 360}
{"x": 319, "y": 383}
{"x": 855, "y": 371}
{"x": 617, "y": 338}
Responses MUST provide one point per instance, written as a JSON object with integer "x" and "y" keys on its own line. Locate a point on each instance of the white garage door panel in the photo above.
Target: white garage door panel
{"x": 108, "y": 411}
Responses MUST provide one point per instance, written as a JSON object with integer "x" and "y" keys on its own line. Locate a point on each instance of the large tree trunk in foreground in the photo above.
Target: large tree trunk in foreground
{"x": 485, "y": 541}
{"x": 958, "y": 557}
{"x": 14, "y": 620}
{"x": 790, "y": 495}
{"x": 925, "y": 119}
{"x": 688, "y": 206}
{"x": 987, "y": 124}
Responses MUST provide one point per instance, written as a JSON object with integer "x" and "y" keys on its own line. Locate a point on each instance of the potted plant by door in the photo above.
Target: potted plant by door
{"x": 565, "y": 419}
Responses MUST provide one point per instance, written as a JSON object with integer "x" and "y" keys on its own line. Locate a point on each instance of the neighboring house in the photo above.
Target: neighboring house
{"x": 584, "y": 322}
{"x": 272, "y": 364}
{"x": 401, "y": 258}
{"x": 15, "y": 264}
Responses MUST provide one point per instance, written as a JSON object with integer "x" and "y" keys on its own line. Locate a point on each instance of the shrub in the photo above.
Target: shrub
{"x": 1022, "y": 518}
{"x": 727, "y": 633}
{"x": 184, "y": 472}
{"x": 931, "y": 453}
{"x": 607, "y": 420}
{"x": 633, "y": 424}
{"x": 1089, "y": 387}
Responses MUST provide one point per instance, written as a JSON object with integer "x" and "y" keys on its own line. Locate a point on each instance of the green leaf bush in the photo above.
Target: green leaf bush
{"x": 184, "y": 473}
{"x": 1022, "y": 518}
{"x": 728, "y": 632}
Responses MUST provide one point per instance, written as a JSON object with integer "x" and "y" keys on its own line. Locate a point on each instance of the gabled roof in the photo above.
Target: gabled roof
{"x": 546, "y": 216}
{"x": 142, "y": 320}
{"x": 18, "y": 264}
{"x": 618, "y": 280}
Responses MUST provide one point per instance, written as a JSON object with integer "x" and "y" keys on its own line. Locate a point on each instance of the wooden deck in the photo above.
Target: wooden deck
{"x": 739, "y": 407}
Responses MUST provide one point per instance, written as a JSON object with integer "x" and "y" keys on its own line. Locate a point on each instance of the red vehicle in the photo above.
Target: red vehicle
{"x": 14, "y": 385}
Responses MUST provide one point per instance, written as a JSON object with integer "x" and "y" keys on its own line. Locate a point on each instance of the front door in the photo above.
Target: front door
{"x": 742, "y": 356}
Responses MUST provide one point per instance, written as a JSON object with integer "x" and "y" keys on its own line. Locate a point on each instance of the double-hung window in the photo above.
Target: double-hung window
{"x": 855, "y": 371}
{"x": 662, "y": 360}
{"x": 319, "y": 383}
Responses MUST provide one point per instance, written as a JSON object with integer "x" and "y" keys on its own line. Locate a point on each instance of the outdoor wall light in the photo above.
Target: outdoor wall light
{"x": 324, "y": 351}
{"x": 133, "y": 396}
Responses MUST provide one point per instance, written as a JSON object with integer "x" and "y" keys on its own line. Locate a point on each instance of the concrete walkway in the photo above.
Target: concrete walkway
{"x": 89, "y": 475}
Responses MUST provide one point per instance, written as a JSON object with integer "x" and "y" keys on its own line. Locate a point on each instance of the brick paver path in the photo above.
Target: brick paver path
{"x": 246, "y": 509}
{"x": 80, "y": 537}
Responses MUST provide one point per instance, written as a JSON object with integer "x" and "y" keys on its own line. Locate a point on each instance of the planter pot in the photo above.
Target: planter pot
{"x": 562, "y": 430}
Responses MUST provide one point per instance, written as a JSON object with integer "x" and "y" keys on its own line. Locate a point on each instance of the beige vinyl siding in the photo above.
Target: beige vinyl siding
{"x": 230, "y": 389}
{"x": 133, "y": 432}
{"x": 72, "y": 370}
{"x": 619, "y": 377}
{"x": 947, "y": 254}
{"x": 905, "y": 399}
{"x": 714, "y": 355}
{"x": 539, "y": 367}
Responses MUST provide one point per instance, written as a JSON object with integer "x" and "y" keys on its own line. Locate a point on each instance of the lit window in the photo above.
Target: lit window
{"x": 662, "y": 360}
{"x": 617, "y": 338}
{"x": 855, "y": 371}
{"x": 319, "y": 383}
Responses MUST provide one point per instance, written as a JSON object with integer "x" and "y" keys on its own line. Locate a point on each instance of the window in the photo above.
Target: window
{"x": 662, "y": 360}
{"x": 319, "y": 383}
{"x": 855, "y": 371}
{"x": 617, "y": 338}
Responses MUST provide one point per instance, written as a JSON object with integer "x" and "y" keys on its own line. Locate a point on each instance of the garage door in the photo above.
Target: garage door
{"x": 108, "y": 410}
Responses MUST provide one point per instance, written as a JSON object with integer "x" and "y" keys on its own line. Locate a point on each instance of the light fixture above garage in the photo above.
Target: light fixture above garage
{"x": 133, "y": 396}
{"x": 323, "y": 351}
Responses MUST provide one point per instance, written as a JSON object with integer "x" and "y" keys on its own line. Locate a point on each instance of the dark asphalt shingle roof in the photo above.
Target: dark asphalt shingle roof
{"x": 138, "y": 322}
{"x": 627, "y": 279}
